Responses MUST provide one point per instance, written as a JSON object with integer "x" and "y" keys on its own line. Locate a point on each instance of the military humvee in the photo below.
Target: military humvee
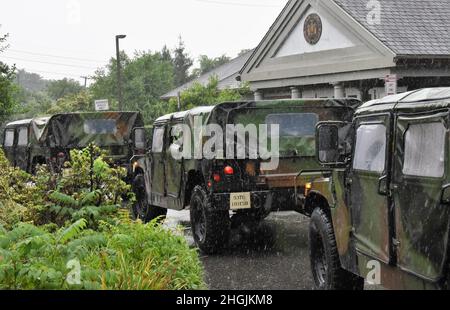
{"x": 387, "y": 213}
{"x": 215, "y": 187}
{"x": 48, "y": 140}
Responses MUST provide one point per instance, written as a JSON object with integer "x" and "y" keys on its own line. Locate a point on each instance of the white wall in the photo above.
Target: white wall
{"x": 334, "y": 36}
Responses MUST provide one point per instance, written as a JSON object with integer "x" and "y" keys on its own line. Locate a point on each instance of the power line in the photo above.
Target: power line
{"x": 239, "y": 4}
{"x": 56, "y": 56}
{"x": 50, "y": 63}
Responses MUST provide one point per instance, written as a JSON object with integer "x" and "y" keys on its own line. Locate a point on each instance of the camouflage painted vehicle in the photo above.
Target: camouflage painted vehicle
{"x": 214, "y": 188}
{"x": 386, "y": 214}
{"x": 48, "y": 140}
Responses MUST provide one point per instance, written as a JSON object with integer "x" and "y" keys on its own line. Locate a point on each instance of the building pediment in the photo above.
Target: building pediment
{"x": 314, "y": 37}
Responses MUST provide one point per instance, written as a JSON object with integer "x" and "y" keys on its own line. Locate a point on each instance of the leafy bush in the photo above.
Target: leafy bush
{"x": 18, "y": 196}
{"x": 130, "y": 256}
{"x": 80, "y": 223}
{"x": 87, "y": 189}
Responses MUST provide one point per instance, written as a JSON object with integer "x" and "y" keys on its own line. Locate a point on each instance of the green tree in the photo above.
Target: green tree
{"x": 208, "y": 64}
{"x": 61, "y": 88}
{"x": 76, "y": 102}
{"x": 146, "y": 77}
{"x": 31, "y": 82}
{"x": 166, "y": 54}
{"x": 210, "y": 94}
{"x": 182, "y": 63}
{"x": 31, "y": 103}
{"x": 7, "y": 88}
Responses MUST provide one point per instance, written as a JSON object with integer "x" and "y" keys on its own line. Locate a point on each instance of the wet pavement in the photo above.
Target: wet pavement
{"x": 271, "y": 256}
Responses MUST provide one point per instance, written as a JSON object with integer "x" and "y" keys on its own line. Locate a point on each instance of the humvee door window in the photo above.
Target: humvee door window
{"x": 418, "y": 162}
{"x": 158, "y": 140}
{"x": 100, "y": 127}
{"x": 370, "y": 151}
{"x": 294, "y": 125}
{"x": 23, "y": 137}
{"x": 9, "y": 138}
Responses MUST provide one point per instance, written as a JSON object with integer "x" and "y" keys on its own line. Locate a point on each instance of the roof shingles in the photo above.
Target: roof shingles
{"x": 408, "y": 27}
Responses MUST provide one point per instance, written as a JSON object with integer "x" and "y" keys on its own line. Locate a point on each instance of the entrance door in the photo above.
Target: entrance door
{"x": 420, "y": 174}
{"x": 158, "y": 154}
{"x": 368, "y": 193}
{"x": 22, "y": 148}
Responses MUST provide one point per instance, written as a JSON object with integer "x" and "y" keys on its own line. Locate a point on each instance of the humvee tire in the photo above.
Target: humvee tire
{"x": 325, "y": 264}
{"x": 210, "y": 228}
{"x": 141, "y": 210}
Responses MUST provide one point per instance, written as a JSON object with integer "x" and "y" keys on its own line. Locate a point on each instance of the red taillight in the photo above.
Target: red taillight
{"x": 217, "y": 178}
{"x": 61, "y": 155}
{"x": 228, "y": 170}
{"x": 209, "y": 184}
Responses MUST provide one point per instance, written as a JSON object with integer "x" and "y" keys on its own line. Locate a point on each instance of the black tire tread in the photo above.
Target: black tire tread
{"x": 152, "y": 212}
{"x": 217, "y": 225}
{"x": 339, "y": 279}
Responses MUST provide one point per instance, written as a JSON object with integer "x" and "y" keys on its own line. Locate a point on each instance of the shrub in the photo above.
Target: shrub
{"x": 80, "y": 224}
{"x": 130, "y": 256}
{"x": 18, "y": 196}
{"x": 88, "y": 188}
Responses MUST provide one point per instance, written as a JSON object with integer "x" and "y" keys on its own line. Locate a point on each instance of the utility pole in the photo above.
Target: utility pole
{"x": 85, "y": 80}
{"x": 119, "y": 72}
{"x": 179, "y": 101}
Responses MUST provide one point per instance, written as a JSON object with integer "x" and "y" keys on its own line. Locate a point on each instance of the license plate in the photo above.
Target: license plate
{"x": 240, "y": 201}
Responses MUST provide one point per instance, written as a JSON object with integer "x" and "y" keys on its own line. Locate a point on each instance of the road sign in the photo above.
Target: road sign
{"x": 102, "y": 105}
{"x": 391, "y": 84}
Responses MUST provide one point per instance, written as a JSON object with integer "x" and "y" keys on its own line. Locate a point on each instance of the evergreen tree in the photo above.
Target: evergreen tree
{"x": 182, "y": 63}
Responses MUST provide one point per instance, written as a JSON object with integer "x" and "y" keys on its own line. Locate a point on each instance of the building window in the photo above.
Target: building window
{"x": 370, "y": 151}
{"x": 430, "y": 137}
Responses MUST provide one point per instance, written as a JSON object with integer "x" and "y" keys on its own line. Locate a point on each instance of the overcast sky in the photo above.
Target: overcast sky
{"x": 58, "y": 38}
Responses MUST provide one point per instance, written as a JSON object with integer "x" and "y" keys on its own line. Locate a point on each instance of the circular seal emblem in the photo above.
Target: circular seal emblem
{"x": 313, "y": 29}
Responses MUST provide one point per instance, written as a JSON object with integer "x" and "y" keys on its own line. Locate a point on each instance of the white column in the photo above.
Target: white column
{"x": 259, "y": 95}
{"x": 339, "y": 91}
{"x": 296, "y": 93}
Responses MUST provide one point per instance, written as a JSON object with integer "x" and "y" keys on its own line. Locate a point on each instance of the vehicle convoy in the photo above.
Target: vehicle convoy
{"x": 224, "y": 190}
{"x": 386, "y": 214}
{"x": 49, "y": 140}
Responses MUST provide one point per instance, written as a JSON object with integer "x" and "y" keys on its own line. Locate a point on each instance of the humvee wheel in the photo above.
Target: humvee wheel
{"x": 211, "y": 228}
{"x": 325, "y": 264}
{"x": 141, "y": 210}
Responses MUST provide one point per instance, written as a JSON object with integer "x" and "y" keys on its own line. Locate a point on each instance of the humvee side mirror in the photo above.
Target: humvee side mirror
{"x": 139, "y": 139}
{"x": 445, "y": 195}
{"x": 330, "y": 145}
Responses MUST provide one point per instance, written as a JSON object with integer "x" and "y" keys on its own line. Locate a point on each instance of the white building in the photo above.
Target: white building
{"x": 347, "y": 48}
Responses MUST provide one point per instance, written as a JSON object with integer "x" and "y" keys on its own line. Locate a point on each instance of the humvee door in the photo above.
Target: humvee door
{"x": 157, "y": 158}
{"x": 420, "y": 180}
{"x": 173, "y": 170}
{"x": 8, "y": 145}
{"x": 369, "y": 205}
{"x": 22, "y": 149}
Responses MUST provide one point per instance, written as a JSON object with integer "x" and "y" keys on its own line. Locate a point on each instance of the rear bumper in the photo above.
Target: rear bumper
{"x": 260, "y": 200}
